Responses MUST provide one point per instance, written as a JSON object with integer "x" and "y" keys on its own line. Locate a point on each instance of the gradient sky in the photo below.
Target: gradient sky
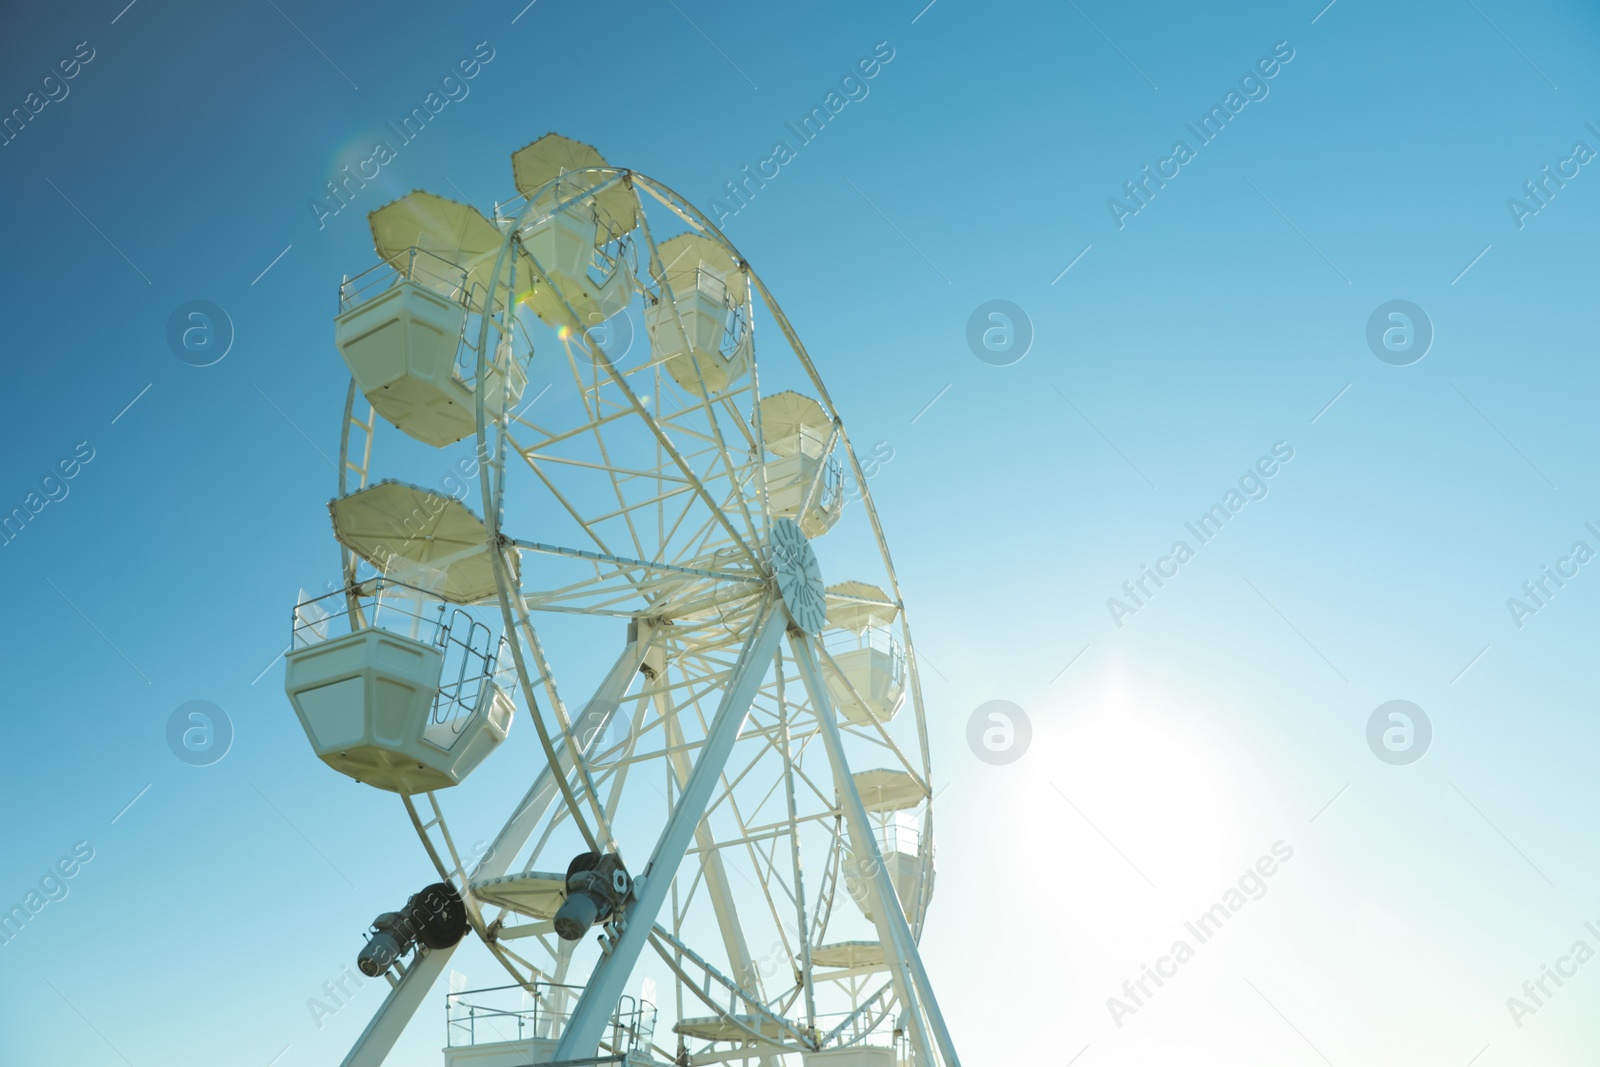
{"x": 1167, "y": 755}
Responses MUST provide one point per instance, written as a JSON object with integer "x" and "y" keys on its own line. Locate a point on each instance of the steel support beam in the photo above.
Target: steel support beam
{"x": 715, "y": 871}
{"x": 598, "y": 1003}
{"x": 900, "y": 948}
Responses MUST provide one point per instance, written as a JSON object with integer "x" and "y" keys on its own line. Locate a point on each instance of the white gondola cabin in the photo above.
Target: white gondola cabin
{"x": 907, "y": 860}
{"x": 867, "y": 676}
{"x": 409, "y": 328}
{"x": 412, "y": 699}
{"x": 577, "y": 233}
{"x": 804, "y": 480}
{"x": 892, "y": 798}
{"x": 702, "y": 333}
{"x": 416, "y": 694}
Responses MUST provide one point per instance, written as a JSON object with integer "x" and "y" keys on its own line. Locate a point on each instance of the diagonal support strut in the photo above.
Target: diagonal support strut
{"x": 595, "y": 1007}
{"x": 900, "y": 948}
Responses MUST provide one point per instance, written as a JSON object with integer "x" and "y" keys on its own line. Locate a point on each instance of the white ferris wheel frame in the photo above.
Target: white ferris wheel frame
{"x": 566, "y": 773}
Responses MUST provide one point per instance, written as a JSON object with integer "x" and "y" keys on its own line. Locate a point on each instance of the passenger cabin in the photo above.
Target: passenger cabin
{"x": 577, "y": 233}
{"x": 409, "y": 328}
{"x": 867, "y": 678}
{"x": 805, "y": 480}
{"x": 417, "y": 693}
{"x": 702, "y": 333}
{"x": 412, "y": 699}
{"x": 892, "y": 799}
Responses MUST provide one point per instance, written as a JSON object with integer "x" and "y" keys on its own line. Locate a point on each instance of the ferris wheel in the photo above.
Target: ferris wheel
{"x": 730, "y": 787}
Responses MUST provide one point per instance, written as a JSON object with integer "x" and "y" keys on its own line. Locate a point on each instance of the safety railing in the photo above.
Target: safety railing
{"x": 414, "y": 265}
{"x": 872, "y": 1026}
{"x": 382, "y": 602}
{"x": 471, "y": 654}
{"x": 876, "y": 637}
{"x": 898, "y": 836}
{"x": 565, "y": 194}
{"x": 516, "y": 1013}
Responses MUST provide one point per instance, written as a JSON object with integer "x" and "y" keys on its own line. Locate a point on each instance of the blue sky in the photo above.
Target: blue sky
{"x": 1227, "y": 315}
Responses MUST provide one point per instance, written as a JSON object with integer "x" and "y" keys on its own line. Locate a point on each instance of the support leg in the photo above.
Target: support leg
{"x": 900, "y": 948}
{"x": 599, "y": 1000}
